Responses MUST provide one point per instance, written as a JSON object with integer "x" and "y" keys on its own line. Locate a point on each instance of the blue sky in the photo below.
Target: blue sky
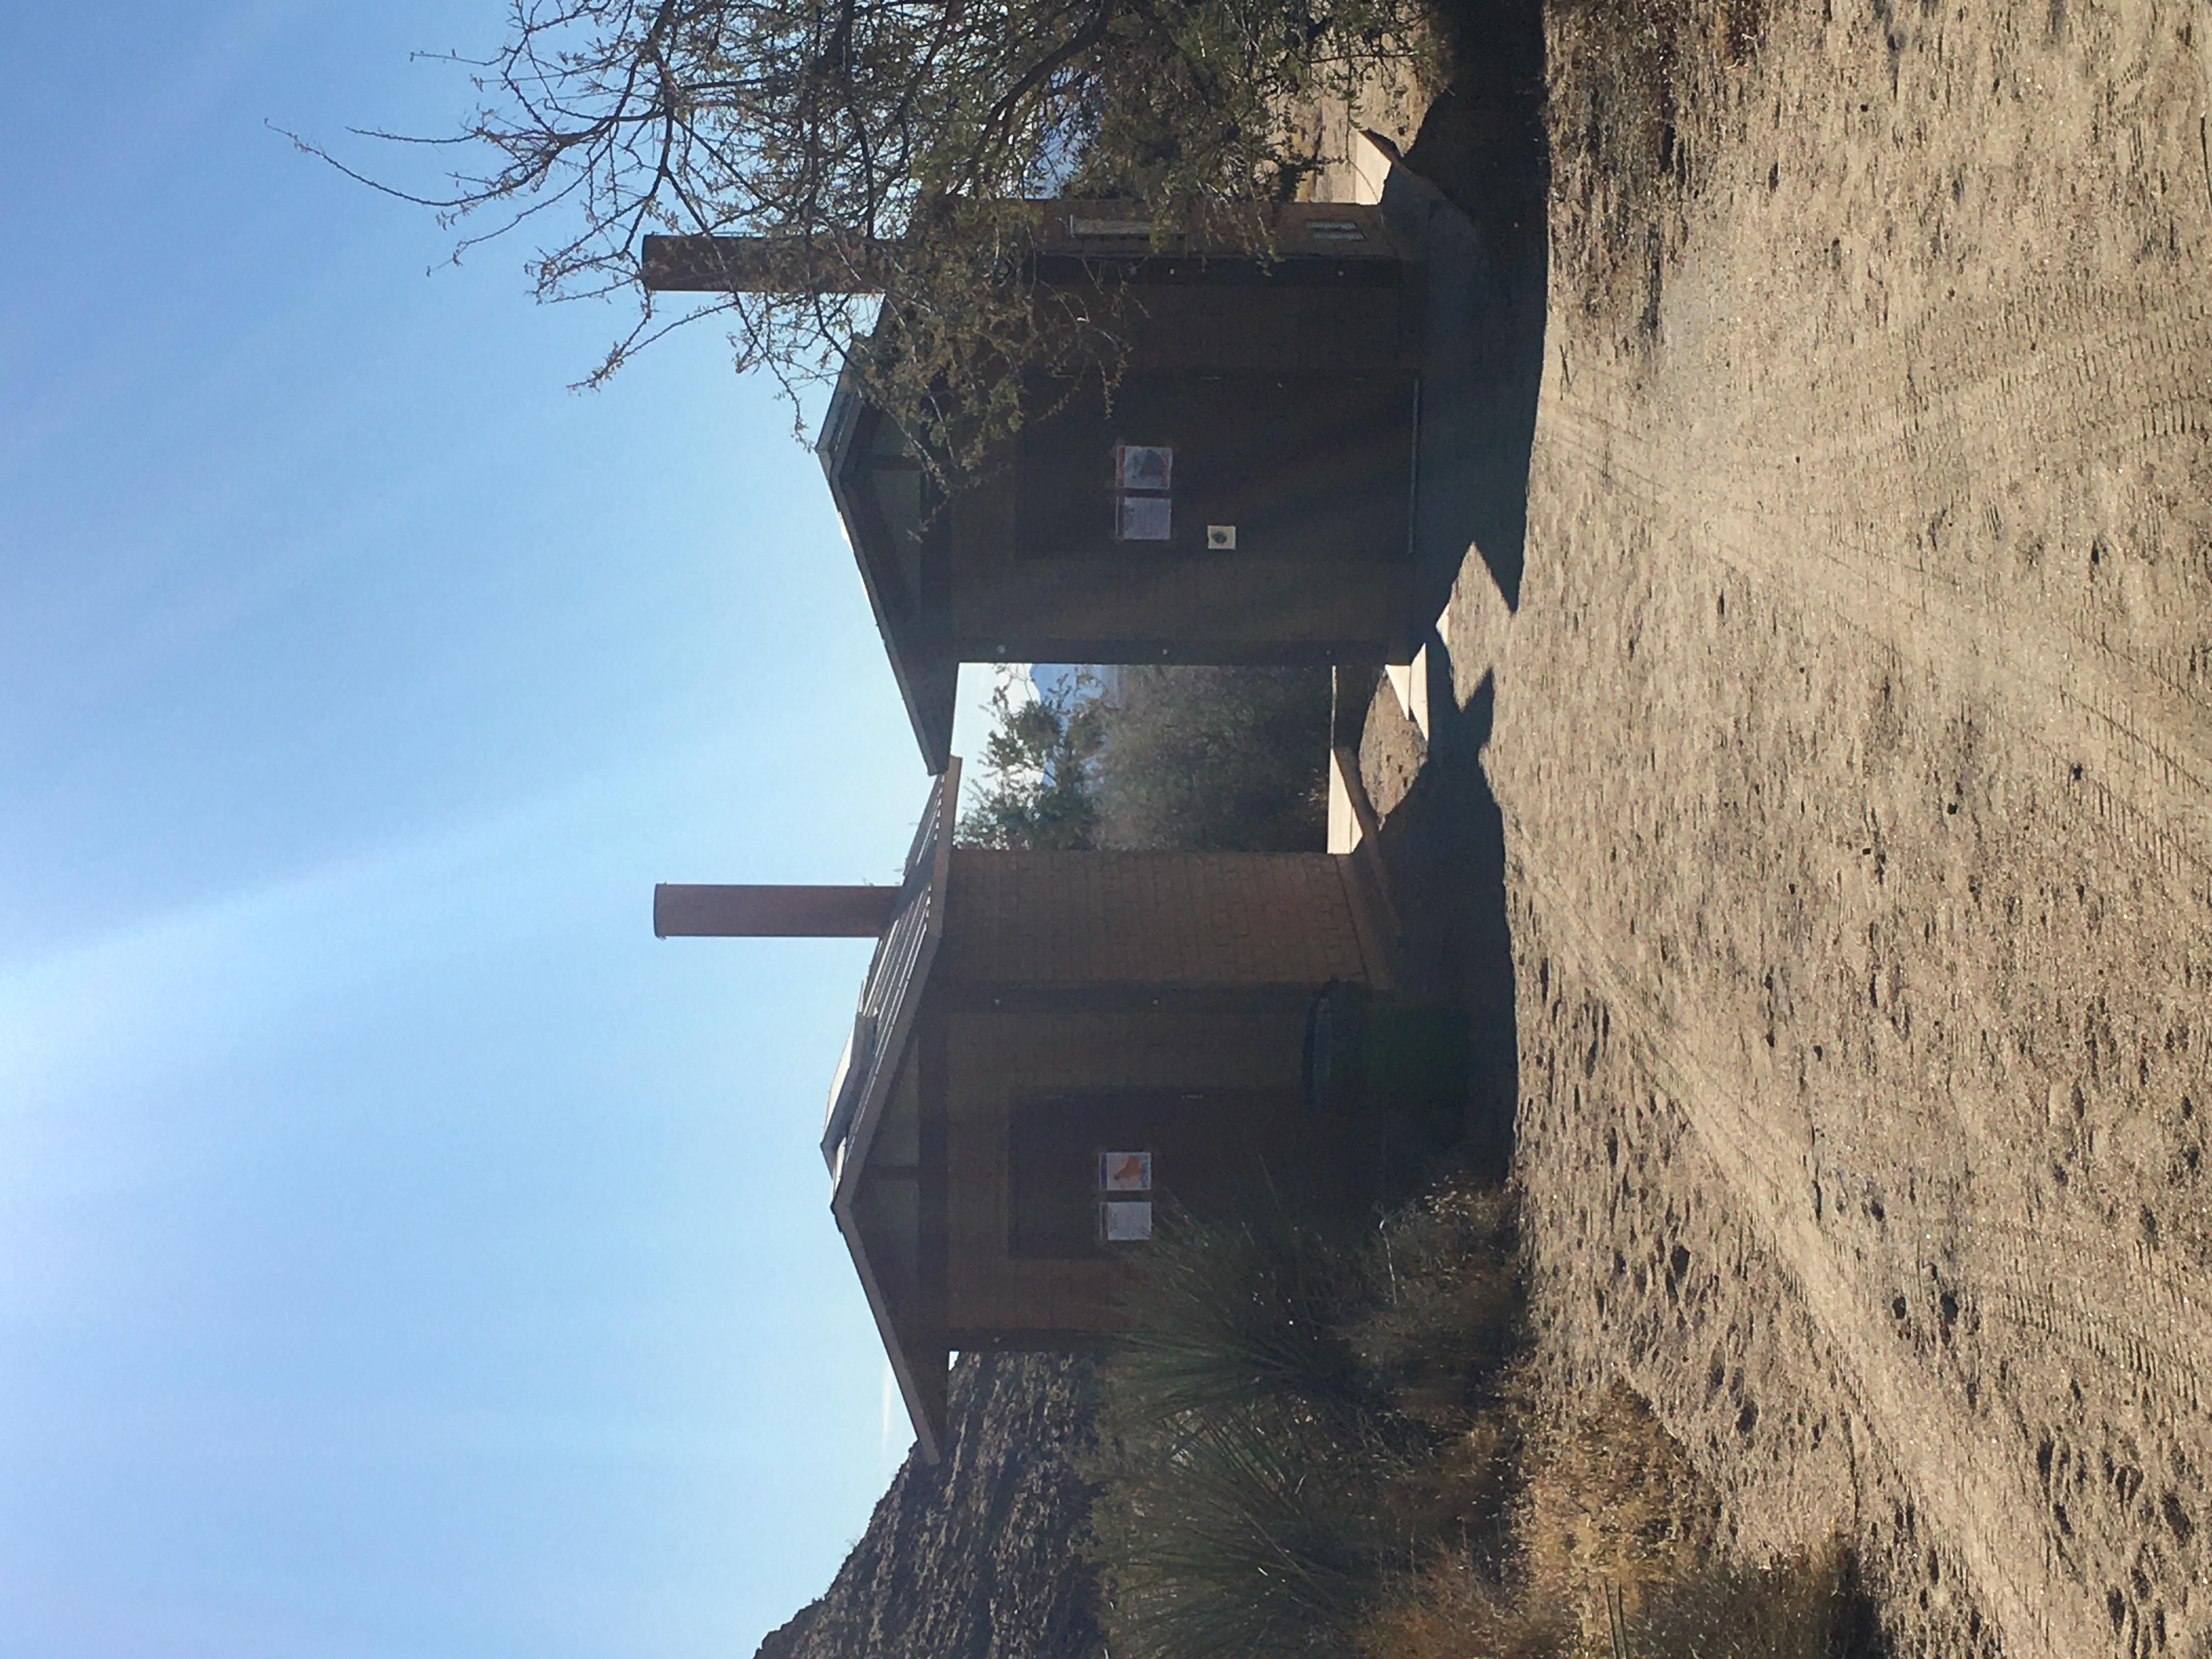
{"x": 401, "y": 1253}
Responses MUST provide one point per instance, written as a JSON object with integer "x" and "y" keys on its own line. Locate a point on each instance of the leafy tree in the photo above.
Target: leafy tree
{"x": 888, "y": 146}
{"x": 1040, "y": 767}
{"x": 1174, "y": 759}
{"x": 1217, "y": 760}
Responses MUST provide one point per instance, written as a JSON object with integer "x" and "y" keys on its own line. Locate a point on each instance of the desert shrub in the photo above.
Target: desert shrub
{"x": 1158, "y": 760}
{"x": 1451, "y": 1609}
{"x": 1436, "y": 1337}
{"x": 1240, "y": 1532}
{"x": 1202, "y": 759}
{"x": 1239, "y": 1311}
{"x": 1611, "y": 1498}
{"x": 1792, "y": 1608}
{"x": 1318, "y": 1444}
{"x": 1261, "y": 1477}
{"x": 1443, "y": 1316}
{"x": 1607, "y": 1501}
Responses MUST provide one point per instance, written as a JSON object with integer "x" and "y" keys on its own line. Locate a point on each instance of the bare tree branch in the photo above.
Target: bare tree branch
{"x": 917, "y": 125}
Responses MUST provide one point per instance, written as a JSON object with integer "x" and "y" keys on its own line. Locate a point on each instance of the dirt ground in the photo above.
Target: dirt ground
{"x": 1848, "y": 711}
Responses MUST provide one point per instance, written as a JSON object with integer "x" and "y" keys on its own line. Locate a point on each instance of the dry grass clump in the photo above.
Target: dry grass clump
{"x": 1615, "y": 1540}
{"x": 1611, "y": 1499}
{"x": 1443, "y": 1314}
{"x": 1450, "y": 1610}
{"x": 1314, "y": 1446}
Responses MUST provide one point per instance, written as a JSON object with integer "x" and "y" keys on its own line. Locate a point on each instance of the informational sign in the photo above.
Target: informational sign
{"x": 1127, "y": 1221}
{"x": 1125, "y": 1172}
{"x": 1144, "y": 466}
{"x": 1142, "y": 475}
{"x": 1142, "y": 518}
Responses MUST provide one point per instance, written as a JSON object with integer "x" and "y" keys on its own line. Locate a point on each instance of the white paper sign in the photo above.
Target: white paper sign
{"x": 1144, "y": 466}
{"x": 1126, "y": 1222}
{"x": 1125, "y": 1172}
{"x": 1142, "y": 518}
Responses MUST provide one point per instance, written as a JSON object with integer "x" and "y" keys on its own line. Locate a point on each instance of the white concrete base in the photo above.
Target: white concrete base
{"x": 1345, "y": 830}
{"x": 1410, "y": 681}
{"x": 1354, "y": 834}
{"x": 1369, "y": 167}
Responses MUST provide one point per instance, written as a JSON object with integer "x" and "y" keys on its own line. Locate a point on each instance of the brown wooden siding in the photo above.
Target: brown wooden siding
{"x": 1291, "y": 408}
{"x": 993, "y": 1059}
{"x": 1226, "y": 919}
{"x": 1258, "y": 605}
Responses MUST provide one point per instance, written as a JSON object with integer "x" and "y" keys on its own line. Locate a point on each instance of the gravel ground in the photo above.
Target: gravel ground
{"x": 1852, "y": 741}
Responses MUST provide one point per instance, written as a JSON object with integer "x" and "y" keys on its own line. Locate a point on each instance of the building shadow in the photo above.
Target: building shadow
{"x": 1442, "y": 847}
{"x": 1473, "y": 194}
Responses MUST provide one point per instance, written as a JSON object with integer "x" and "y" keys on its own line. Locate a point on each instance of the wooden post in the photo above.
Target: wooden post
{"x": 685, "y": 911}
{"x": 761, "y": 264}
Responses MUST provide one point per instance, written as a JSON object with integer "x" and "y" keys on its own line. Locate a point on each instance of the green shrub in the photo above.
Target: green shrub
{"x": 1234, "y": 1312}
{"x": 1158, "y": 760}
{"x": 1241, "y": 1532}
{"x": 1217, "y": 760}
{"x": 1259, "y": 1479}
{"x": 1443, "y": 1316}
{"x": 1317, "y": 1445}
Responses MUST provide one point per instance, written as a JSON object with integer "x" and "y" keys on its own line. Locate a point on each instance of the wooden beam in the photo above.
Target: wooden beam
{"x": 760, "y": 264}
{"x": 693, "y": 911}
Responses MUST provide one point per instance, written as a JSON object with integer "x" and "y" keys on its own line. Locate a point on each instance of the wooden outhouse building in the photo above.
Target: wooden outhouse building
{"x": 1244, "y": 495}
{"x": 1049, "y": 1045}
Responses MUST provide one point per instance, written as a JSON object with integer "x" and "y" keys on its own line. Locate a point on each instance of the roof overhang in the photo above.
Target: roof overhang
{"x": 922, "y": 659}
{"x": 875, "y": 1052}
